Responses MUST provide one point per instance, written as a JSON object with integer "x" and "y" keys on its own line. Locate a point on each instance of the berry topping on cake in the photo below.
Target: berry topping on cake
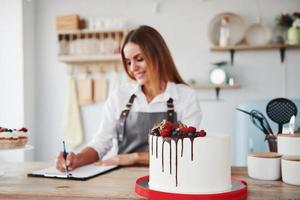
{"x": 13, "y": 138}
{"x": 169, "y": 129}
{"x": 201, "y": 133}
{"x": 23, "y": 129}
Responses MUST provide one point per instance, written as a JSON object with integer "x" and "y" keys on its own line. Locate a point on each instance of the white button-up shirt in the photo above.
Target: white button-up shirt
{"x": 186, "y": 105}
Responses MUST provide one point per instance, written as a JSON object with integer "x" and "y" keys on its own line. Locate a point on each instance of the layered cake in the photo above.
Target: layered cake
{"x": 186, "y": 161}
{"x": 13, "y": 138}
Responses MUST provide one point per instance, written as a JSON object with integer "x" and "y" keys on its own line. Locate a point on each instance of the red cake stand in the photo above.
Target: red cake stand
{"x": 238, "y": 192}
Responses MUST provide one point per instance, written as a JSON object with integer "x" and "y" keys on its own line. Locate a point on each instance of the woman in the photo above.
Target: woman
{"x": 158, "y": 93}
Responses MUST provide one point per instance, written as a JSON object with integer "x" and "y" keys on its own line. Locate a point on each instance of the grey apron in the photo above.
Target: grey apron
{"x": 133, "y": 127}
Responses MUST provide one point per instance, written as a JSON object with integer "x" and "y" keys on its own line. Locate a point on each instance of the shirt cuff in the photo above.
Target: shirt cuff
{"x": 100, "y": 148}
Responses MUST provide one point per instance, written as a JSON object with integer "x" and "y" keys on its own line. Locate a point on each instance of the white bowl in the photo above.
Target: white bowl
{"x": 236, "y": 24}
{"x": 258, "y": 34}
{"x": 264, "y": 165}
{"x": 291, "y": 169}
{"x": 289, "y": 144}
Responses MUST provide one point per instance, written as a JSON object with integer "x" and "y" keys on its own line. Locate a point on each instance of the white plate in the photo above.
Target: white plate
{"x": 237, "y": 28}
{"x": 24, "y": 148}
{"x": 258, "y": 34}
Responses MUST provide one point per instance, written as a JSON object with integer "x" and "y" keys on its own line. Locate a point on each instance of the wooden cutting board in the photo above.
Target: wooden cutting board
{"x": 85, "y": 94}
{"x": 100, "y": 89}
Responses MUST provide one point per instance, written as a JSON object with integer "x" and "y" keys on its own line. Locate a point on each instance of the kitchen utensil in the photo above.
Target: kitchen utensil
{"x": 236, "y": 25}
{"x": 100, "y": 87}
{"x": 85, "y": 90}
{"x": 292, "y": 125}
{"x": 259, "y": 120}
{"x": 280, "y": 110}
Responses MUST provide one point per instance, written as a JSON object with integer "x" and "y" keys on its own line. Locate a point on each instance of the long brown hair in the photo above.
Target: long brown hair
{"x": 161, "y": 66}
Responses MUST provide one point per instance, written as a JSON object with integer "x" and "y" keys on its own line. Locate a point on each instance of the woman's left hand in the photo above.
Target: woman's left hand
{"x": 121, "y": 159}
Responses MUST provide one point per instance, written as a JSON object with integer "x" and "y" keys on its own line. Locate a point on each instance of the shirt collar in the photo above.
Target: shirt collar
{"x": 170, "y": 92}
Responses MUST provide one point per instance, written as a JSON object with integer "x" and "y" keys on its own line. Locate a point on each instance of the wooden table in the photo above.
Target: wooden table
{"x": 119, "y": 184}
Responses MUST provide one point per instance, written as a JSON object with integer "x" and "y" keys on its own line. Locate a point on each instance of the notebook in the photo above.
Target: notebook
{"x": 81, "y": 173}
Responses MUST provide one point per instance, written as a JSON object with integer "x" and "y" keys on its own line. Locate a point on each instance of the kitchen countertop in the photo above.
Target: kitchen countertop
{"x": 118, "y": 184}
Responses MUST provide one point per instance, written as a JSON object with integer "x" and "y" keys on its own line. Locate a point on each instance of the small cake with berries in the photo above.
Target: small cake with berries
{"x": 13, "y": 138}
{"x": 184, "y": 160}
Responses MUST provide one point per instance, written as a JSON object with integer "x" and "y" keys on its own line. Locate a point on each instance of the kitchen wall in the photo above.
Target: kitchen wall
{"x": 17, "y": 71}
{"x": 11, "y": 65}
{"x": 184, "y": 26}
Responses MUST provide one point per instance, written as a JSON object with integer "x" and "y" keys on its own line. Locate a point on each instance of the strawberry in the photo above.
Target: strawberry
{"x": 201, "y": 133}
{"x": 191, "y": 129}
{"x": 166, "y": 132}
{"x": 184, "y": 129}
{"x": 169, "y": 124}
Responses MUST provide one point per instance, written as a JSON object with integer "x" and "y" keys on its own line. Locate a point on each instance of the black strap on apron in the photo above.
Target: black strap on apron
{"x": 170, "y": 110}
{"x": 125, "y": 112}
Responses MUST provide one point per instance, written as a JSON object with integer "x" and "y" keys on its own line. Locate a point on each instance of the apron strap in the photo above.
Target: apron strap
{"x": 125, "y": 112}
{"x": 124, "y": 115}
{"x": 170, "y": 111}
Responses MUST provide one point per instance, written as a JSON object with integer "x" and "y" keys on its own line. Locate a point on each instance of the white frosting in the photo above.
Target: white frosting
{"x": 22, "y": 134}
{"x": 289, "y": 144}
{"x": 14, "y": 134}
{"x": 208, "y": 172}
{"x": 7, "y": 135}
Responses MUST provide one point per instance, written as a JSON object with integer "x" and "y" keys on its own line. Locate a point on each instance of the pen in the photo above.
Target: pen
{"x": 65, "y": 156}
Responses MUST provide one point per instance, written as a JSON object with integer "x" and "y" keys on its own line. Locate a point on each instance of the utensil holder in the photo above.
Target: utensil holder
{"x": 272, "y": 142}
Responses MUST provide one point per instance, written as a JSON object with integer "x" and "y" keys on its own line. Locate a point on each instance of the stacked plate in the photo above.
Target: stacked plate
{"x": 236, "y": 24}
{"x": 258, "y": 34}
{"x": 254, "y": 34}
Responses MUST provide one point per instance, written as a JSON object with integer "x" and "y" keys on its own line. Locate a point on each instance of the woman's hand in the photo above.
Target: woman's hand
{"x": 127, "y": 159}
{"x": 71, "y": 161}
{"x": 85, "y": 156}
{"x": 121, "y": 159}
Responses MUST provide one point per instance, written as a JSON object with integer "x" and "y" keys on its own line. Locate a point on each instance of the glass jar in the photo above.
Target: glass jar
{"x": 293, "y": 35}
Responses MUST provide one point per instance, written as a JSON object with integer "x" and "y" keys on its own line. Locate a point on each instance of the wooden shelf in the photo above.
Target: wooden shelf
{"x": 216, "y": 87}
{"x": 245, "y": 47}
{"x": 99, "y": 58}
{"x": 90, "y": 58}
{"x": 86, "y": 31}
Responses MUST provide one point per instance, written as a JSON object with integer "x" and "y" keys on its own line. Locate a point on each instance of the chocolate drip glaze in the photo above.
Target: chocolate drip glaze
{"x": 176, "y": 160}
{"x": 156, "y": 147}
{"x": 162, "y": 155}
{"x": 168, "y": 140}
{"x": 152, "y": 145}
{"x": 181, "y": 146}
{"x": 170, "y": 155}
{"x": 192, "y": 147}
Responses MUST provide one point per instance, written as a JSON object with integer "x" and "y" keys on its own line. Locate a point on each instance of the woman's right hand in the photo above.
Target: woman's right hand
{"x": 71, "y": 161}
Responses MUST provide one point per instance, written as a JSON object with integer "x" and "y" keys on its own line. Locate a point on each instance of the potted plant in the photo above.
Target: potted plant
{"x": 289, "y": 25}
